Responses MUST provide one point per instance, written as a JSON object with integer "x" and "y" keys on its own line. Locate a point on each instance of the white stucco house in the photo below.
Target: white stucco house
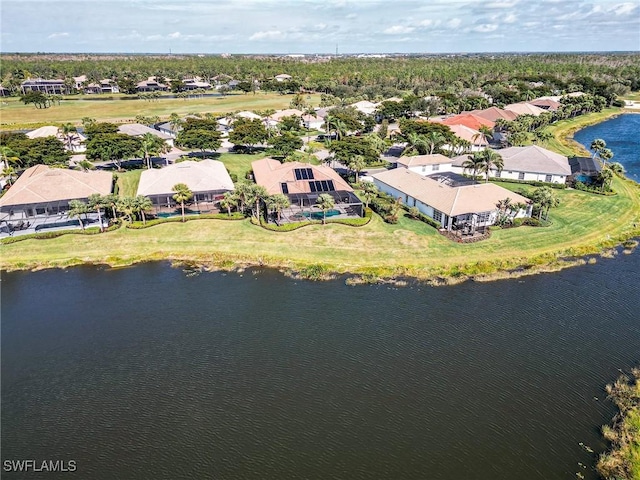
{"x": 531, "y": 163}
{"x": 468, "y": 205}
{"x": 426, "y": 164}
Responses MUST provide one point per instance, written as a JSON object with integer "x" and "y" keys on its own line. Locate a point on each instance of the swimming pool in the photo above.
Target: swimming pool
{"x": 318, "y": 215}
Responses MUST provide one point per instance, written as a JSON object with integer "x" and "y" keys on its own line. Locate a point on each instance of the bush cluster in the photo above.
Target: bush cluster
{"x": 157, "y": 221}
{"x": 535, "y": 183}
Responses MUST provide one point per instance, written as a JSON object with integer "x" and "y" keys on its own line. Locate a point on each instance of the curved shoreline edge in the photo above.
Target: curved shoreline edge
{"x": 476, "y": 269}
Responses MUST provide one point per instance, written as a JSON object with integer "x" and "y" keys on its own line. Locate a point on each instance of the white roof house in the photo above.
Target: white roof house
{"x": 426, "y": 164}
{"x": 524, "y": 108}
{"x": 449, "y": 205}
{"x": 366, "y": 107}
{"x": 531, "y": 163}
{"x": 73, "y": 144}
{"x": 138, "y": 130}
{"x": 203, "y": 176}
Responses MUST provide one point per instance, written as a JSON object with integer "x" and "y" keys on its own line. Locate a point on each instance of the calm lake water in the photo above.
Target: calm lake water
{"x": 622, "y": 135}
{"x": 154, "y": 373}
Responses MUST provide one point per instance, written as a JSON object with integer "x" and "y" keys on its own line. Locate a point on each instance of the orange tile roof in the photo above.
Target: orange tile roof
{"x": 469, "y": 120}
{"x": 271, "y": 174}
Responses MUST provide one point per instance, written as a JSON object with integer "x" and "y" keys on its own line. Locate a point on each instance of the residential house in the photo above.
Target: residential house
{"x": 283, "y": 77}
{"x": 195, "y": 83}
{"x": 207, "y": 179}
{"x": 465, "y": 206}
{"x": 42, "y": 191}
{"x": 426, "y": 164}
{"x": 312, "y": 122}
{"x": 289, "y": 112}
{"x": 494, "y": 113}
{"x": 524, "y": 108}
{"x": 477, "y": 140}
{"x": 366, "y": 107}
{"x": 303, "y": 183}
{"x": 547, "y": 104}
{"x": 531, "y": 163}
{"x": 73, "y": 143}
{"x": 138, "y": 130}
{"x": 469, "y": 120}
{"x": 151, "y": 85}
{"x": 54, "y": 87}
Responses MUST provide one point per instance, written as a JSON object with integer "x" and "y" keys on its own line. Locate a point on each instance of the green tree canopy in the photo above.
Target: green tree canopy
{"x": 248, "y": 132}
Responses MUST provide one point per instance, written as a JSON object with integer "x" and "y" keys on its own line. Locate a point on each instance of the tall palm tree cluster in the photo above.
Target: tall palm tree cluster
{"x": 249, "y": 197}
{"x": 115, "y": 207}
{"x": 483, "y": 161}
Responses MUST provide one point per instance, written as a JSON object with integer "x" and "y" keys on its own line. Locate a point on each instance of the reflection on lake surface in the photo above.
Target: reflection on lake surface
{"x": 149, "y": 372}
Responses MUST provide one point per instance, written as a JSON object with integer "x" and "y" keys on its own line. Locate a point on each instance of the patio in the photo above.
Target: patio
{"x": 303, "y": 207}
{"x": 52, "y": 223}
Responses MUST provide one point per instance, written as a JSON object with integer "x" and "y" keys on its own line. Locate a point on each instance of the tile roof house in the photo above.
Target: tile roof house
{"x": 546, "y": 104}
{"x": 138, "y": 130}
{"x": 469, "y": 120}
{"x": 477, "y": 140}
{"x": 42, "y": 191}
{"x": 76, "y": 143}
{"x": 282, "y": 77}
{"x": 494, "y": 113}
{"x": 531, "y": 163}
{"x": 207, "y": 179}
{"x": 454, "y": 207}
{"x": 303, "y": 182}
{"x": 150, "y": 85}
{"x": 524, "y": 108}
{"x": 56, "y": 87}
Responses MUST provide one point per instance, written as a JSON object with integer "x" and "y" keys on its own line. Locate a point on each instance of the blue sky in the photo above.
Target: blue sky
{"x": 317, "y": 26}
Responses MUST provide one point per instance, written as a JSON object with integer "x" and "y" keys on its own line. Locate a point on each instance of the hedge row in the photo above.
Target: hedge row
{"x": 559, "y": 186}
{"x": 288, "y": 227}
{"x": 157, "y": 221}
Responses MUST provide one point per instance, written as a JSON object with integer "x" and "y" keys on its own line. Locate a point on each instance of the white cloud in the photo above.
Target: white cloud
{"x": 485, "y": 28}
{"x": 454, "y": 23}
{"x": 499, "y": 5}
{"x": 175, "y": 35}
{"x": 268, "y": 35}
{"x": 511, "y": 18}
{"x": 625, "y": 8}
{"x": 58, "y": 35}
{"x": 398, "y": 30}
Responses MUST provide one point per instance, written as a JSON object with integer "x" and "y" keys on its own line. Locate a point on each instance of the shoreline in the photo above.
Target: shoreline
{"x": 465, "y": 263}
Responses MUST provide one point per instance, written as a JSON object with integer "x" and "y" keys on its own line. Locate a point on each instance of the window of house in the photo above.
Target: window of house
{"x": 40, "y": 211}
{"x": 498, "y": 173}
{"x": 303, "y": 174}
{"x": 547, "y": 178}
{"x": 285, "y": 188}
{"x": 437, "y": 216}
{"x": 521, "y": 176}
{"x": 435, "y": 168}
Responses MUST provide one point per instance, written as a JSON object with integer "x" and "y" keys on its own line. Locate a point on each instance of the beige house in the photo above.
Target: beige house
{"x": 207, "y": 179}
{"x": 468, "y": 205}
{"x": 524, "y": 108}
{"x": 74, "y": 143}
{"x": 303, "y": 183}
{"x": 42, "y": 191}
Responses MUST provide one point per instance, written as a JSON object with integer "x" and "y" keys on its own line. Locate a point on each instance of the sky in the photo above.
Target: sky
{"x": 318, "y": 26}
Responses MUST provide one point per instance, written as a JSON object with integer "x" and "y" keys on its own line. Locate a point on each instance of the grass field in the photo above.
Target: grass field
{"x": 15, "y": 115}
{"x": 584, "y": 224}
{"x": 128, "y": 183}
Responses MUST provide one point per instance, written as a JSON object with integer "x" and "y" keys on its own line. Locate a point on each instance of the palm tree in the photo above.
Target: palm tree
{"x": 69, "y": 133}
{"x": 542, "y": 135}
{"x": 597, "y": 145}
{"x": 242, "y": 192}
{"x": 111, "y": 201}
{"x": 266, "y": 114}
{"x": 278, "y": 203}
{"x": 369, "y": 192}
{"x": 605, "y": 154}
{"x": 10, "y": 173}
{"x": 357, "y": 164}
{"x": 546, "y": 199}
{"x": 183, "y": 194}
{"x": 77, "y": 209}
{"x": 229, "y": 200}
{"x": 8, "y": 156}
{"x": 257, "y": 194}
{"x": 175, "y": 122}
{"x": 490, "y": 160}
{"x": 144, "y": 204}
{"x": 127, "y": 206}
{"x": 617, "y": 168}
{"x": 416, "y": 144}
{"x": 605, "y": 177}
{"x": 85, "y": 165}
{"x": 434, "y": 140}
{"x": 325, "y": 202}
{"x": 474, "y": 163}
{"x": 97, "y": 202}
{"x": 149, "y": 145}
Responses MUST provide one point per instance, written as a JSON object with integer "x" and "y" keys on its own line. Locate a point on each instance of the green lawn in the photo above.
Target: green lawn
{"x": 581, "y": 224}
{"x": 14, "y": 114}
{"x": 128, "y": 183}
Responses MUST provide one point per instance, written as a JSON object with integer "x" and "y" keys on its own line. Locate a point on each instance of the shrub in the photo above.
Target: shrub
{"x": 559, "y": 186}
{"x": 204, "y": 216}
